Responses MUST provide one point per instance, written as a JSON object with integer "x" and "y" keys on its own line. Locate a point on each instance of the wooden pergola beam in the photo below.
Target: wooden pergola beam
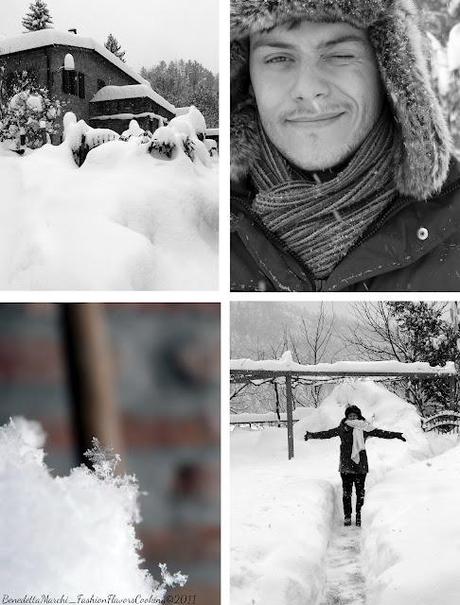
{"x": 248, "y": 376}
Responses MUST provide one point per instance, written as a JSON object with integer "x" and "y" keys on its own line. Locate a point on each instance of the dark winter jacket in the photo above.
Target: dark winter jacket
{"x": 414, "y": 246}
{"x": 345, "y": 433}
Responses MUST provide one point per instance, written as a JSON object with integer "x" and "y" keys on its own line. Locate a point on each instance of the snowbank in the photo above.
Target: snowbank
{"x": 66, "y": 535}
{"x": 280, "y": 523}
{"x": 122, "y": 221}
{"x": 411, "y": 540}
{"x": 283, "y": 511}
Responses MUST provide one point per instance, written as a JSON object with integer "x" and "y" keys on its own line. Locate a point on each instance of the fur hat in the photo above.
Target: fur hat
{"x": 422, "y": 163}
{"x": 353, "y": 409}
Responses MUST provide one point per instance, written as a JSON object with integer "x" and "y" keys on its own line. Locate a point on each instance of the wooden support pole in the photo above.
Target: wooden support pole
{"x": 290, "y": 424}
{"x": 91, "y": 378}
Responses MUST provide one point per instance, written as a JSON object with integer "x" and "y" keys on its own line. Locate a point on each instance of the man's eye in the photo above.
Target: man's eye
{"x": 342, "y": 57}
{"x": 280, "y": 59}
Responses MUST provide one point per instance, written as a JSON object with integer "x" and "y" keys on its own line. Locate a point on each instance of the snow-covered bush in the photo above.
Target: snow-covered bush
{"x": 81, "y": 138}
{"x": 28, "y": 115}
{"x": 68, "y": 535}
{"x": 183, "y": 134}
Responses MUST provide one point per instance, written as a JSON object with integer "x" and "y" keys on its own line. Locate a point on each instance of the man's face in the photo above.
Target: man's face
{"x": 352, "y": 416}
{"x": 318, "y": 90}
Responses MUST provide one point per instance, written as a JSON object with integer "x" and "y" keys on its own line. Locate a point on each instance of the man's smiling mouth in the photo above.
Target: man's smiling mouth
{"x": 323, "y": 118}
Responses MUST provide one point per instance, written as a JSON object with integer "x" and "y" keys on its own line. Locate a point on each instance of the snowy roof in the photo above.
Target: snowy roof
{"x": 132, "y": 91}
{"x": 359, "y": 368}
{"x": 53, "y": 37}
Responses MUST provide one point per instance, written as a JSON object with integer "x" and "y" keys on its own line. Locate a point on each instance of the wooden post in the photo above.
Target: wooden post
{"x": 91, "y": 379}
{"x": 290, "y": 423}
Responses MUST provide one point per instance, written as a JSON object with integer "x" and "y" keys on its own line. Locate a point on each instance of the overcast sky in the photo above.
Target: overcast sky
{"x": 148, "y": 30}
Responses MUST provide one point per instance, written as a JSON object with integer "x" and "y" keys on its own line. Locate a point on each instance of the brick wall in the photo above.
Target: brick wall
{"x": 167, "y": 375}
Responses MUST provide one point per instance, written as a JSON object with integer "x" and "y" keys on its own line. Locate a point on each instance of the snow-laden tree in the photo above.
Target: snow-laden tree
{"x": 38, "y": 17}
{"x": 409, "y": 332}
{"x": 114, "y": 46}
{"x": 27, "y": 112}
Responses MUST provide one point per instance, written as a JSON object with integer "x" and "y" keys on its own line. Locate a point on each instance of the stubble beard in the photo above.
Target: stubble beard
{"x": 314, "y": 156}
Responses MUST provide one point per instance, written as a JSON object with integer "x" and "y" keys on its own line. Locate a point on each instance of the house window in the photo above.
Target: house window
{"x": 69, "y": 82}
{"x": 81, "y": 85}
{"x": 73, "y": 83}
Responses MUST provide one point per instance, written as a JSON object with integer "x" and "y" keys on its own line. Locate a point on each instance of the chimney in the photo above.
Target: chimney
{"x": 73, "y": 31}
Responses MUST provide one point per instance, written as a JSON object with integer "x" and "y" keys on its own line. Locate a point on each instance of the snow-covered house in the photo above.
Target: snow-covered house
{"x": 75, "y": 68}
{"x": 115, "y": 106}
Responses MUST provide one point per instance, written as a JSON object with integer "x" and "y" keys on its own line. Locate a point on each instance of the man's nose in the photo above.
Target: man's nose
{"x": 309, "y": 84}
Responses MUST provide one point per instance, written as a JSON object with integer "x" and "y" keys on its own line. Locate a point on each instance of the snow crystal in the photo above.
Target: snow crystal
{"x": 69, "y": 535}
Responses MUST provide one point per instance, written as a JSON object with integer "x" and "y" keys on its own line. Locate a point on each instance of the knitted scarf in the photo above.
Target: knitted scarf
{"x": 320, "y": 221}
{"x": 359, "y": 426}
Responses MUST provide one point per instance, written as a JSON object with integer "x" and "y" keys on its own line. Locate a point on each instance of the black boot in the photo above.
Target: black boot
{"x": 347, "y": 521}
{"x": 358, "y": 518}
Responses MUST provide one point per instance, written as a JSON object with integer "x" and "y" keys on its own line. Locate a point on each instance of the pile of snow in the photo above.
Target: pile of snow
{"x": 182, "y": 136}
{"x": 68, "y": 535}
{"x": 123, "y": 220}
{"x": 283, "y": 511}
{"x": 411, "y": 536}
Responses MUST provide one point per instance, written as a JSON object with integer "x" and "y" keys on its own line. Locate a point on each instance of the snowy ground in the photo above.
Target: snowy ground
{"x": 123, "y": 220}
{"x": 288, "y": 542}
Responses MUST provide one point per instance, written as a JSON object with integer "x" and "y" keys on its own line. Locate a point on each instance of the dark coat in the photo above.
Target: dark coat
{"x": 413, "y": 246}
{"x": 345, "y": 433}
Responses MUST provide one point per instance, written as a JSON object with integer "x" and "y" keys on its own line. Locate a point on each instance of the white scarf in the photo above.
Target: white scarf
{"x": 359, "y": 426}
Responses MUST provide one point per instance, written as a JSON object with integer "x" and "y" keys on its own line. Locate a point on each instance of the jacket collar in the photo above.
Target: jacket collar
{"x": 411, "y": 231}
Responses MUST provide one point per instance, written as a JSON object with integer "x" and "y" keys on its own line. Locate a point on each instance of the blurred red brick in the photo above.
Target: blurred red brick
{"x": 169, "y": 432}
{"x": 145, "y": 432}
{"x": 30, "y": 360}
{"x": 183, "y": 544}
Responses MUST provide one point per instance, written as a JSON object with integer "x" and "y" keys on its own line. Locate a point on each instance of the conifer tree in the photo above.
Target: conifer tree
{"x": 113, "y": 45}
{"x": 38, "y": 17}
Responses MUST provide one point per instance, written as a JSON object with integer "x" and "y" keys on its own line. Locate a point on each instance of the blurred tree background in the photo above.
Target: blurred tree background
{"x": 186, "y": 83}
{"x": 441, "y": 18}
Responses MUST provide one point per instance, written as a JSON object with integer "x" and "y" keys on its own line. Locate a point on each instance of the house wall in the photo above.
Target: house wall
{"x": 133, "y": 106}
{"x": 47, "y": 63}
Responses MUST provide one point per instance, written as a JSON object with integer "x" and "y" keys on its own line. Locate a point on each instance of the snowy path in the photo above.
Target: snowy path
{"x": 344, "y": 581}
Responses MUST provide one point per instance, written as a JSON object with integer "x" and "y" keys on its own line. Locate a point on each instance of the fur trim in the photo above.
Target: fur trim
{"x": 394, "y": 31}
